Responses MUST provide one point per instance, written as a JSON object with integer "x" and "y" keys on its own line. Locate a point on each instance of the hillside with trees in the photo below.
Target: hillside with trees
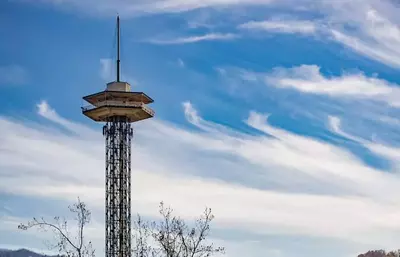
{"x": 380, "y": 253}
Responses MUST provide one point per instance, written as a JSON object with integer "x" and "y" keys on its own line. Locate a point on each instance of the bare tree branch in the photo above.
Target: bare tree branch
{"x": 173, "y": 238}
{"x": 65, "y": 244}
{"x": 170, "y": 237}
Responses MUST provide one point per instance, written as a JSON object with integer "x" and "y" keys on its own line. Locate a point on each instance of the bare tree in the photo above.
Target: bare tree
{"x": 67, "y": 245}
{"x": 142, "y": 243}
{"x": 171, "y": 237}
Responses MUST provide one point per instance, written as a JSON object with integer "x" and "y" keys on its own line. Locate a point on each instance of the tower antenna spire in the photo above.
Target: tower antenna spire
{"x": 118, "y": 50}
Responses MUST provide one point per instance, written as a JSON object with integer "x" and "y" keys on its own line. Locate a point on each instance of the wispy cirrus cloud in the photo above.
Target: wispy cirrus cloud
{"x": 368, "y": 27}
{"x": 371, "y": 28}
{"x": 195, "y": 39}
{"x": 386, "y": 151}
{"x": 44, "y": 110}
{"x": 136, "y": 7}
{"x": 281, "y": 26}
{"x": 49, "y": 163}
{"x": 309, "y": 79}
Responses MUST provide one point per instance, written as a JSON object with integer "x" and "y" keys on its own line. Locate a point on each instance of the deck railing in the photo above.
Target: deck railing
{"x": 119, "y": 104}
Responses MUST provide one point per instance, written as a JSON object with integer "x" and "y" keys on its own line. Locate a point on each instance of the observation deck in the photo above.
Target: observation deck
{"x": 118, "y": 100}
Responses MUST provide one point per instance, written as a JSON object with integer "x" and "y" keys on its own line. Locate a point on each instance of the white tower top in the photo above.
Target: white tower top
{"x": 119, "y": 86}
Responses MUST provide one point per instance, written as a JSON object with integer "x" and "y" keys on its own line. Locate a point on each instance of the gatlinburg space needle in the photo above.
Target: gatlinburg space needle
{"x": 118, "y": 107}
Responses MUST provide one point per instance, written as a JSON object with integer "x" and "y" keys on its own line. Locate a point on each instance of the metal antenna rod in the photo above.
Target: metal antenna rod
{"x": 118, "y": 50}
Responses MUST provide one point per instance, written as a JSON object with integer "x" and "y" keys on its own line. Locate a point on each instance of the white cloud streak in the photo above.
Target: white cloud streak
{"x": 137, "y": 7}
{"x": 369, "y": 27}
{"x": 309, "y": 79}
{"x": 281, "y": 26}
{"x": 386, "y": 151}
{"x": 194, "y": 39}
{"x": 47, "y": 112}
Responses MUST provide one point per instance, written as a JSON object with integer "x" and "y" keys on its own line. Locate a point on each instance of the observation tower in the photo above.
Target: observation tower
{"x": 118, "y": 107}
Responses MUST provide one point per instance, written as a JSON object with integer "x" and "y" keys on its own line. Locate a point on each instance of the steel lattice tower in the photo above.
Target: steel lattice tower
{"x": 118, "y": 107}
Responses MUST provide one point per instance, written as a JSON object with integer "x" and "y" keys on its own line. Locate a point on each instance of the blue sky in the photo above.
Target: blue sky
{"x": 282, "y": 116}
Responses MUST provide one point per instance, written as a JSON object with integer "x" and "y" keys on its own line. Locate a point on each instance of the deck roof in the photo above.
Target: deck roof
{"x": 118, "y": 95}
